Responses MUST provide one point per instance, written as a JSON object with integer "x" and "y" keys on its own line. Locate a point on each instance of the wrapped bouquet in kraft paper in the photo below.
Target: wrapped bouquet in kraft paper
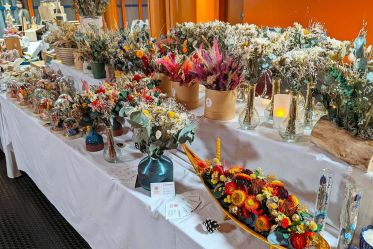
{"x": 220, "y": 75}
{"x": 181, "y": 83}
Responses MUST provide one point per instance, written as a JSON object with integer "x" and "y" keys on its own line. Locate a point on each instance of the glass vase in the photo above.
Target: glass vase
{"x": 309, "y": 107}
{"x": 153, "y": 170}
{"x": 117, "y": 127}
{"x": 112, "y": 152}
{"x": 292, "y": 128}
{"x": 322, "y": 200}
{"x": 349, "y": 214}
{"x": 249, "y": 117}
{"x": 241, "y": 92}
{"x": 268, "y": 112}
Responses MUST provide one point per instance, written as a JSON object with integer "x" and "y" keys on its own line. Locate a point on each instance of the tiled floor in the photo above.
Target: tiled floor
{"x": 28, "y": 220}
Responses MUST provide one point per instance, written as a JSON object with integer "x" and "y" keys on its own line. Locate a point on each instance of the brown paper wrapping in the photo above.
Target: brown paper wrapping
{"x": 220, "y": 105}
{"x": 187, "y": 96}
{"x": 164, "y": 84}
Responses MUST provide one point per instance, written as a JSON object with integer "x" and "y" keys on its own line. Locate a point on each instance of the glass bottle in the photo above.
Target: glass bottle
{"x": 241, "y": 92}
{"x": 349, "y": 214}
{"x": 268, "y": 112}
{"x": 292, "y": 128}
{"x": 112, "y": 153}
{"x": 322, "y": 200}
{"x": 249, "y": 117}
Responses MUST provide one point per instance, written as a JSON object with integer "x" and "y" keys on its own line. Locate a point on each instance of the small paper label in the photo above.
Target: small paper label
{"x": 162, "y": 190}
{"x": 208, "y": 102}
{"x": 173, "y": 92}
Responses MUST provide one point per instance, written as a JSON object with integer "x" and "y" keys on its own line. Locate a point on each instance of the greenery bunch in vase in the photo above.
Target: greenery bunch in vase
{"x": 157, "y": 129}
{"x": 94, "y": 46}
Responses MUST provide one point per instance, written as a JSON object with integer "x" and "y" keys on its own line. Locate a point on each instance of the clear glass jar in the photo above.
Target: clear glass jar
{"x": 292, "y": 128}
{"x": 276, "y": 89}
{"x": 249, "y": 118}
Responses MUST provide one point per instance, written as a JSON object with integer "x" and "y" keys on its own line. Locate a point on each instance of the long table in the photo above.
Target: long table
{"x": 100, "y": 201}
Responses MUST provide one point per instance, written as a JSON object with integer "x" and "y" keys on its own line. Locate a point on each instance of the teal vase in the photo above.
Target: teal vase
{"x": 94, "y": 141}
{"x": 98, "y": 70}
{"x": 153, "y": 170}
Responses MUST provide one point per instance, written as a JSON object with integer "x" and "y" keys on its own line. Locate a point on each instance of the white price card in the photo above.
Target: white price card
{"x": 162, "y": 190}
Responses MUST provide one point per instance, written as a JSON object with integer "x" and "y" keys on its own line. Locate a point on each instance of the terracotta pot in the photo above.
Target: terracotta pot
{"x": 78, "y": 61}
{"x": 220, "y": 105}
{"x": 187, "y": 96}
{"x": 165, "y": 84}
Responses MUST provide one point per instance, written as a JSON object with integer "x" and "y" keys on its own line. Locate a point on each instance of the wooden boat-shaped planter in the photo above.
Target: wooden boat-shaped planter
{"x": 320, "y": 243}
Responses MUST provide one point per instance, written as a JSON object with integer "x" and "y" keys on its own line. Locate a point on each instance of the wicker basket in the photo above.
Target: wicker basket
{"x": 65, "y": 55}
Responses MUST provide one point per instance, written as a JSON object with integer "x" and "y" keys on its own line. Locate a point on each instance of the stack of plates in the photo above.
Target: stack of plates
{"x": 65, "y": 55}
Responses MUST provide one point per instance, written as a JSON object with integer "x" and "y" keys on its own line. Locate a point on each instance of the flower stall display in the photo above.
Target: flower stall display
{"x": 62, "y": 39}
{"x": 220, "y": 75}
{"x": 258, "y": 203}
{"x": 157, "y": 129}
{"x": 179, "y": 69}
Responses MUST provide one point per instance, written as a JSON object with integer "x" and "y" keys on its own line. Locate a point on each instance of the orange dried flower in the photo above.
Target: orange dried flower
{"x": 251, "y": 203}
{"x": 262, "y": 224}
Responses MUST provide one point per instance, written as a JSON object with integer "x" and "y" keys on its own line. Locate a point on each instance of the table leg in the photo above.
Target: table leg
{"x": 11, "y": 164}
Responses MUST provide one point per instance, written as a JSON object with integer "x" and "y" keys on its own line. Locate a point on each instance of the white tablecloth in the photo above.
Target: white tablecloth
{"x": 102, "y": 205}
{"x": 77, "y": 75}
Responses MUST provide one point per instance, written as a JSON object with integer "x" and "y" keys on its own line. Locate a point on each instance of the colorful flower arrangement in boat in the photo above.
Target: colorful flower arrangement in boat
{"x": 260, "y": 202}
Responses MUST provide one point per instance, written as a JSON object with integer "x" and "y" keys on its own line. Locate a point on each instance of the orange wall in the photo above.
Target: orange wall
{"x": 342, "y": 18}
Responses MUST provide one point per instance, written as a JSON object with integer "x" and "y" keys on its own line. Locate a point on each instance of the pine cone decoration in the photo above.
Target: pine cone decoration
{"x": 210, "y": 226}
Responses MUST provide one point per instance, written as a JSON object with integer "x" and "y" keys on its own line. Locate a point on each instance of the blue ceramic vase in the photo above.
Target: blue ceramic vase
{"x": 94, "y": 141}
{"x": 363, "y": 243}
{"x": 153, "y": 170}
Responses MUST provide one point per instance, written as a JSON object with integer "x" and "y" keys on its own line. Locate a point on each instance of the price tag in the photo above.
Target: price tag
{"x": 208, "y": 102}
{"x": 162, "y": 190}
